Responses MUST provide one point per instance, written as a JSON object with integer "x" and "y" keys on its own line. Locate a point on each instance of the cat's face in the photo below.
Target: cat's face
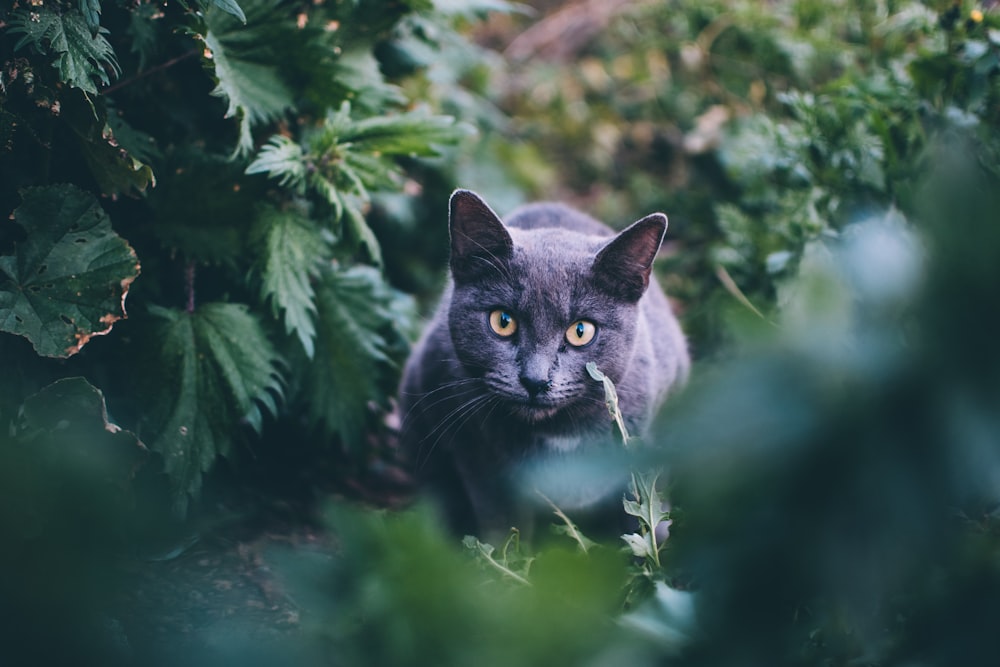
{"x": 530, "y": 309}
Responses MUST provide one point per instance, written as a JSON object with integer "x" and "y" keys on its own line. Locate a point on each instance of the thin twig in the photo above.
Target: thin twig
{"x": 501, "y": 567}
{"x": 151, "y": 70}
{"x": 734, "y": 289}
{"x": 574, "y": 532}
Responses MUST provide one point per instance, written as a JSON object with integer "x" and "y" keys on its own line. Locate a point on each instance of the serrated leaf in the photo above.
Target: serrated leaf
{"x": 293, "y": 248}
{"x": 251, "y": 85}
{"x": 358, "y": 230}
{"x": 347, "y": 157}
{"x": 67, "y": 282}
{"x": 414, "y": 133}
{"x": 358, "y": 340}
{"x": 283, "y": 159}
{"x": 80, "y": 57}
{"x": 221, "y": 369}
{"x": 358, "y": 75}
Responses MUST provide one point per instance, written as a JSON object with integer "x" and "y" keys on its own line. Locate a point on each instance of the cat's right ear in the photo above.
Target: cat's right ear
{"x": 479, "y": 241}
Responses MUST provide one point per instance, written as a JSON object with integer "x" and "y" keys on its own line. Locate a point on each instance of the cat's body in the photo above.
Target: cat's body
{"x": 499, "y": 376}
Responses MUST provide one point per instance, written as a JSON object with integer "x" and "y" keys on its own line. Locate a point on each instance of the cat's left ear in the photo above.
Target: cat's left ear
{"x": 479, "y": 241}
{"x": 622, "y": 267}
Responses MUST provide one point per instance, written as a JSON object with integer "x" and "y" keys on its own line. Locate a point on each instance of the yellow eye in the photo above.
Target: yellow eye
{"x": 503, "y": 323}
{"x": 580, "y": 333}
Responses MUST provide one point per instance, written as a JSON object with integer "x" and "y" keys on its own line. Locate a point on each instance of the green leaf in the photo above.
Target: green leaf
{"x": 249, "y": 82}
{"x": 220, "y": 371}
{"x": 80, "y": 57}
{"x": 293, "y": 248}
{"x": 230, "y": 7}
{"x": 70, "y": 467}
{"x": 360, "y": 336}
{"x": 610, "y": 399}
{"x": 484, "y": 553}
{"x": 358, "y": 230}
{"x": 351, "y": 156}
{"x": 414, "y": 133}
{"x": 91, "y": 12}
{"x": 639, "y": 544}
{"x": 283, "y": 159}
{"x": 116, "y": 171}
{"x": 67, "y": 282}
{"x": 72, "y": 413}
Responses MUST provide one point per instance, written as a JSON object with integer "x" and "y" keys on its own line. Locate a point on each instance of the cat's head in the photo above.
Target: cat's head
{"x": 531, "y": 307}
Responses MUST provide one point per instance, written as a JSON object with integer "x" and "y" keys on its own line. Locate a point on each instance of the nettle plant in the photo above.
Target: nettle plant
{"x": 208, "y": 165}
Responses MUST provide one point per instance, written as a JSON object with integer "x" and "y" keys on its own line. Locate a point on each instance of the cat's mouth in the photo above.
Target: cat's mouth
{"x": 534, "y": 413}
{"x": 534, "y": 410}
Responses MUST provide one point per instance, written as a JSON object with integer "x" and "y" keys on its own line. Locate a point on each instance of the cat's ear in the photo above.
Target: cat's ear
{"x": 622, "y": 267}
{"x": 479, "y": 241}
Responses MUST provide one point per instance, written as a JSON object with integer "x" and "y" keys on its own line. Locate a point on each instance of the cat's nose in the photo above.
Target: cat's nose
{"x": 535, "y": 386}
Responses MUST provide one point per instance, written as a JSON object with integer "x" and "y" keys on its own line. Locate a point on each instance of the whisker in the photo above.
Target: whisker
{"x": 447, "y": 422}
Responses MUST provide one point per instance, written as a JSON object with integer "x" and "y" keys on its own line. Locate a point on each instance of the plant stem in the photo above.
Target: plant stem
{"x": 189, "y": 285}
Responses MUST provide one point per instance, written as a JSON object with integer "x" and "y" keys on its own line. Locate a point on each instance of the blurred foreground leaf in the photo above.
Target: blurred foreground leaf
{"x": 67, "y": 472}
{"x": 399, "y": 592}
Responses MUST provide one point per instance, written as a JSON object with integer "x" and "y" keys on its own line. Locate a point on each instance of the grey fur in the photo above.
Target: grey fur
{"x": 476, "y": 405}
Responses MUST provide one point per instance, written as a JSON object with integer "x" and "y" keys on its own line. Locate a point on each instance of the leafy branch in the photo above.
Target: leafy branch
{"x": 345, "y": 158}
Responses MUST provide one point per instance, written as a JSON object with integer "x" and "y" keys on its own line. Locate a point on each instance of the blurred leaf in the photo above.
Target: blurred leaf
{"x": 228, "y": 6}
{"x": 71, "y": 415}
{"x": 68, "y": 479}
{"x": 220, "y": 371}
{"x": 67, "y": 282}
{"x": 406, "y": 596}
{"x": 667, "y": 619}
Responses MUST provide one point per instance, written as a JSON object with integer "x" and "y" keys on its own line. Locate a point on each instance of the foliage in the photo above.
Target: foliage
{"x": 756, "y": 131}
{"x": 139, "y": 136}
{"x": 424, "y": 601}
{"x": 830, "y": 170}
{"x": 224, "y": 253}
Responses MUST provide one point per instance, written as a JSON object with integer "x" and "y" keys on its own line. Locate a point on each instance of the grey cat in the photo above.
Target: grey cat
{"x": 499, "y": 379}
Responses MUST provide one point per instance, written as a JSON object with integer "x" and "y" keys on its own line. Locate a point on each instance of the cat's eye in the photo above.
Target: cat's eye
{"x": 503, "y": 323}
{"x": 580, "y": 333}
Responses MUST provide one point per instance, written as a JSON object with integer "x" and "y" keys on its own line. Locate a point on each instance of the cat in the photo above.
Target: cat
{"x": 499, "y": 376}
